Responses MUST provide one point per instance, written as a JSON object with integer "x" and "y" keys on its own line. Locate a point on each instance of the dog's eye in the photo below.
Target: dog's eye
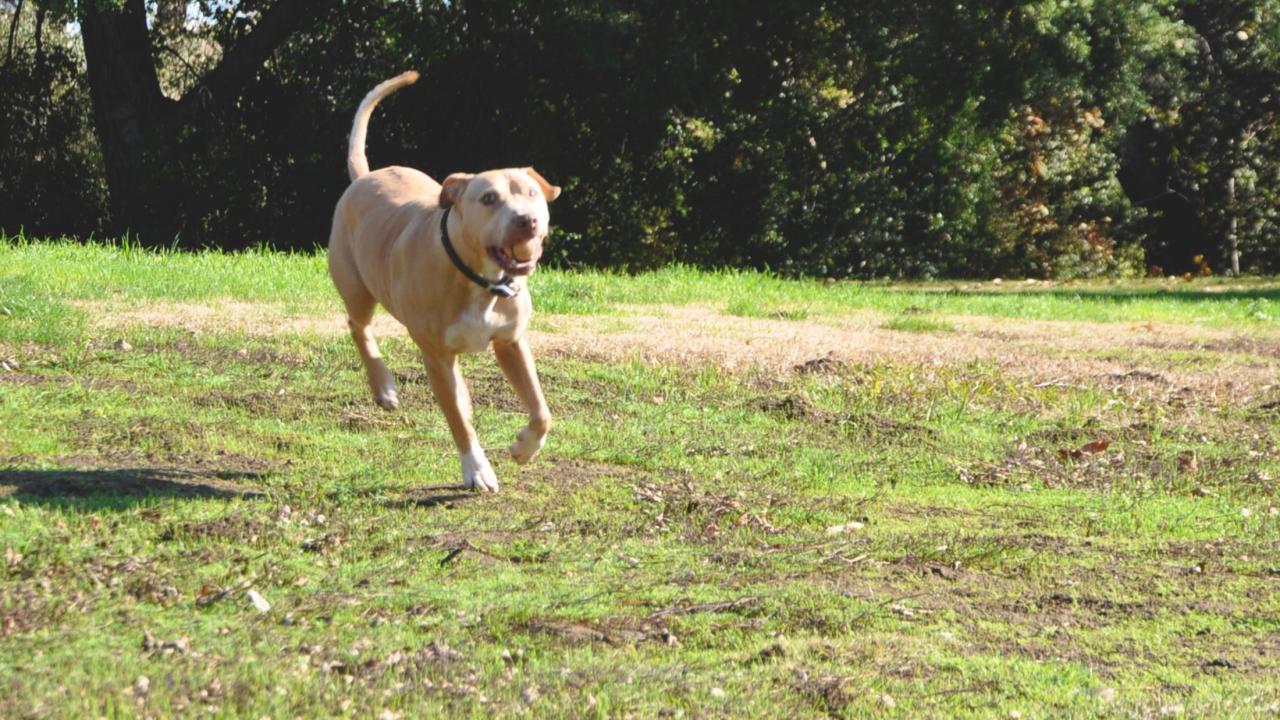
{"x": 533, "y": 192}
{"x": 489, "y": 198}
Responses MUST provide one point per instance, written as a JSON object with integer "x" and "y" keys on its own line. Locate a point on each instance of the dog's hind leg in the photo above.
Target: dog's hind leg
{"x": 360, "y": 304}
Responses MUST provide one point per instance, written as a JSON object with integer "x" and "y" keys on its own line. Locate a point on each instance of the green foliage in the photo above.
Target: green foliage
{"x": 50, "y": 170}
{"x": 885, "y": 138}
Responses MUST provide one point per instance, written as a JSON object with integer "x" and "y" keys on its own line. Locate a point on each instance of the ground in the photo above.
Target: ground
{"x": 761, "y": 498}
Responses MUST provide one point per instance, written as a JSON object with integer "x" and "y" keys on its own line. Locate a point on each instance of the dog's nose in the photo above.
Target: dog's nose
{"x": 528, "y": 224}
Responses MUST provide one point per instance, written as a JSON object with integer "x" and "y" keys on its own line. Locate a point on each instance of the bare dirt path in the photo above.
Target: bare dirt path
{"x": 1160, "y": 357}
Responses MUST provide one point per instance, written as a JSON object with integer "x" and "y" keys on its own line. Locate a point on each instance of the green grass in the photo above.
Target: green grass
{"x": 299, "y": 281}
{"x": 672, "y": 551}
{"x": 916, "y": 323}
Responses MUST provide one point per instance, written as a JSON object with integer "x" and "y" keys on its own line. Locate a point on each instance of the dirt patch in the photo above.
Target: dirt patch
{"x": 825, "y": 365}
{"x": 256, "y": 403}
{"x": 240, "y": 528}
{"x": 1045, "y": 351}
{"x": 632, "y": 631}
{"x": 1126, "y": 459}
{"x": 409, "y": 664}
{"x": 18, "y": 379}
{"x": 97, "y": 384}
{"x": 614, "y": 632}
{"x": 569, "y": 473}
{"x": 1240, "y": 345}
{"x": 796, "y": 407}
{"x": 492, "y": 390}
{"x": 701, "y": 515}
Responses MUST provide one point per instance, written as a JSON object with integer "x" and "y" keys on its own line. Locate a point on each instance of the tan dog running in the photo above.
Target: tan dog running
{"x": 394, "y": 232}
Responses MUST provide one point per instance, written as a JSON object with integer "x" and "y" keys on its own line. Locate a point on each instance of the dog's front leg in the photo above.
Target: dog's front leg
{"x": 454, "y": 400}
{"x": 517, "y": 364}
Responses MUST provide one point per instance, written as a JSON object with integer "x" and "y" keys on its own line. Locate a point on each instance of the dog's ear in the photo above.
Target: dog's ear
{"x": 454, "y": 186}
{"x": 549, "y": 191}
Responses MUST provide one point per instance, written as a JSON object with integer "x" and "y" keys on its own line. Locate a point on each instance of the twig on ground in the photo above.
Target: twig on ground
{"x": 739, "y": 604}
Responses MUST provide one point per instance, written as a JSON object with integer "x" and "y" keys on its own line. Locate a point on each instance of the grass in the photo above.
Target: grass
{"x": 858, "y": 540}
{"x": 299, "y": 282}
{"x": 916, "y": 323}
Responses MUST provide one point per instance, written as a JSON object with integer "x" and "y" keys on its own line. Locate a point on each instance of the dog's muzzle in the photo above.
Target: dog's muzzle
{"x": 505, "y": 258}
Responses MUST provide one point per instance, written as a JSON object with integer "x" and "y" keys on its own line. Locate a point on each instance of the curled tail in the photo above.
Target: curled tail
{"x": 357, "y": 163}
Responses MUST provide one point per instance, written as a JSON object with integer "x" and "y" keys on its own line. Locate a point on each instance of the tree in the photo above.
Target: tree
{"x": 139, "y": 129}
{"x": 875, "y": 138}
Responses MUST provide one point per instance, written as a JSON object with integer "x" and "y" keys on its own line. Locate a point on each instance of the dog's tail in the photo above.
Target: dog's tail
{"x": 357, "y": 163}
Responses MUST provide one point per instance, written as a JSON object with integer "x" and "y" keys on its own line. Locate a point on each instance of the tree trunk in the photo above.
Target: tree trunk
{"x": 13, "y": 31}
{"x": 139, "y": 129}
{"x": 130, "y": 114}
{"x": 1232, "y": 239}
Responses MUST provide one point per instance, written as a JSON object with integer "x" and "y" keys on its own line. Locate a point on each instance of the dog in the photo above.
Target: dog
{"x": 449, "y": 261}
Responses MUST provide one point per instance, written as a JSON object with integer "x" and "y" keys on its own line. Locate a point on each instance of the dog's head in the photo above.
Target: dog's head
{"x": 506, "y": 210}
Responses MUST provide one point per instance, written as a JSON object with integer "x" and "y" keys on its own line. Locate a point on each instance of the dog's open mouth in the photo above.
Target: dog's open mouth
{"x": 510, "y": 264}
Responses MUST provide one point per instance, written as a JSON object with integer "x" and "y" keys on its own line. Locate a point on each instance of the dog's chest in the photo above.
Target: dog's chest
{"x": 475, "y": 329}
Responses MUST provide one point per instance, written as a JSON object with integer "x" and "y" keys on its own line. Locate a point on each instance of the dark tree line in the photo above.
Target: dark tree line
{"x": 876, "y": 138}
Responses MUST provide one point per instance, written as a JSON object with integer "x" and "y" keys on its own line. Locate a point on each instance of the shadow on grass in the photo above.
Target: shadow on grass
{"x": 1123, "y": 297}
{"x": 433, "y": 496}
{"x": 118, "y": 488}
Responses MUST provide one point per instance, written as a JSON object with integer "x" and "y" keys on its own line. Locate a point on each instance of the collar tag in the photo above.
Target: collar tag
{"x": 504, "y": 288}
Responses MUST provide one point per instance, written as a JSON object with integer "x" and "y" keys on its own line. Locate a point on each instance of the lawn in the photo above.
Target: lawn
{"x": 762, "y": 498}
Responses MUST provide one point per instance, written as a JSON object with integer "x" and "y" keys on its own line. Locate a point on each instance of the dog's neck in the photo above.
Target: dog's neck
{"x": 504, "y": 287}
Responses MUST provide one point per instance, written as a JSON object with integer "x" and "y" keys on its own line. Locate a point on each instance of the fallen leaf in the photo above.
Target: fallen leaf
{"x": 907, "y": 612}
{"x": 141, "y": 686}
{"x": 845, "y": 528}
{"x": 258, "y": 601}
{"x": 1089, "y": 448}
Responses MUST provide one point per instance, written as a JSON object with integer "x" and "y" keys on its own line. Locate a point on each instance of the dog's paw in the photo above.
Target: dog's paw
{"x": 477, "y": 473}
{"x": 526, "y": 446}
{"x": 387, "y": 399}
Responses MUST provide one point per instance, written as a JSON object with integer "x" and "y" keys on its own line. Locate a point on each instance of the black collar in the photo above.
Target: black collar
{"x": 502, "y": 287}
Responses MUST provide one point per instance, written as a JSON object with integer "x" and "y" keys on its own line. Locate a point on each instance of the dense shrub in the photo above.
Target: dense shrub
{"x": 878, "y": 138}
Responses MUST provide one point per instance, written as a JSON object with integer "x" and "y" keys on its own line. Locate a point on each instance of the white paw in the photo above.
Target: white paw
{"x": 526, "y": 446}
{"x": 387, "y": 398}
{"x": 476, "y": 472}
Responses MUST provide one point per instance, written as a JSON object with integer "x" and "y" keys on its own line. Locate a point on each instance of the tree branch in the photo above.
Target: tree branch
{"x": 252, "y": 52}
